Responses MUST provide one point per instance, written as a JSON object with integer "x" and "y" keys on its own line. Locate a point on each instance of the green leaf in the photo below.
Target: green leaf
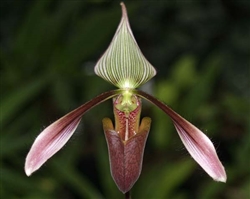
{"x": 17, "y": 99}
{"x": 161, "y": 184}
{"x": 78, "y": 182}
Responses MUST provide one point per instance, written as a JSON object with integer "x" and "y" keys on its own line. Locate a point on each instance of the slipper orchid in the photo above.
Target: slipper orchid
{"x": 124, "y": 66}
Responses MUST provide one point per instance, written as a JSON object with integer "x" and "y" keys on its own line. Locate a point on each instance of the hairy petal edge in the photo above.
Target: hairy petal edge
{"x": 197, "y": 143}
{"x": 55, "y": 136}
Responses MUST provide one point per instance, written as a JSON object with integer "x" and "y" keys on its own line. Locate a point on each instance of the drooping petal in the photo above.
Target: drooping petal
{"x": 55, "y": 136}
{"x": 123, "y": 63}
{"x": 202, "y": 150}
{"x": 126, "y": 157}
{"x": 197, "y": 143}
{"x": 51, "y": 140}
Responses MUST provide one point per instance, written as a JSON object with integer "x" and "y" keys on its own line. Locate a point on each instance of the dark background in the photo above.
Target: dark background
{"x": 201, "y": 51}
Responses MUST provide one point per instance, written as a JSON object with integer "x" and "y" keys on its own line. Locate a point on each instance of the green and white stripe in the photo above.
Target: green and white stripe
{"x": 123, "y": 63}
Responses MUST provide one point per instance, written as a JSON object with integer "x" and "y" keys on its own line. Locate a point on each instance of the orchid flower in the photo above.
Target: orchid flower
{"x": 124, "y": 66}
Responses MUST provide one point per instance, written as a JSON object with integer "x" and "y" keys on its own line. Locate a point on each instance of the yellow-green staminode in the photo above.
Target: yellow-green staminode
{"x": 123, "y": 63}
{"x": 126, "y": 102}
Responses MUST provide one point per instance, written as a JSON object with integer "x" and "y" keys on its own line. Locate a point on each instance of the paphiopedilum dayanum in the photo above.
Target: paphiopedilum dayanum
{"x": 124, "y": 66}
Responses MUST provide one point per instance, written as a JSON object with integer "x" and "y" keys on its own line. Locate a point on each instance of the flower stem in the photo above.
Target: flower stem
{"x": 127, "y": 195}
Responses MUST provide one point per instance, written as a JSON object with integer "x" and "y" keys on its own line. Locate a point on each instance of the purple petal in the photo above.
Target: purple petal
{"x": 51, "y": 140}
{"x": 201, "y": 149}
{"x": 55, "y": 136}
{"x": 196, "y": 142}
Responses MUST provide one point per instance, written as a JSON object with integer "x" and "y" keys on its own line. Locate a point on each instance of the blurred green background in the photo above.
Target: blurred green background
{"x": 201, "y": 50}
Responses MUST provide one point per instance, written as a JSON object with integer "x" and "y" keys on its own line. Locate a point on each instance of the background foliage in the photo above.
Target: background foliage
{"x": 201, "y": 52}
